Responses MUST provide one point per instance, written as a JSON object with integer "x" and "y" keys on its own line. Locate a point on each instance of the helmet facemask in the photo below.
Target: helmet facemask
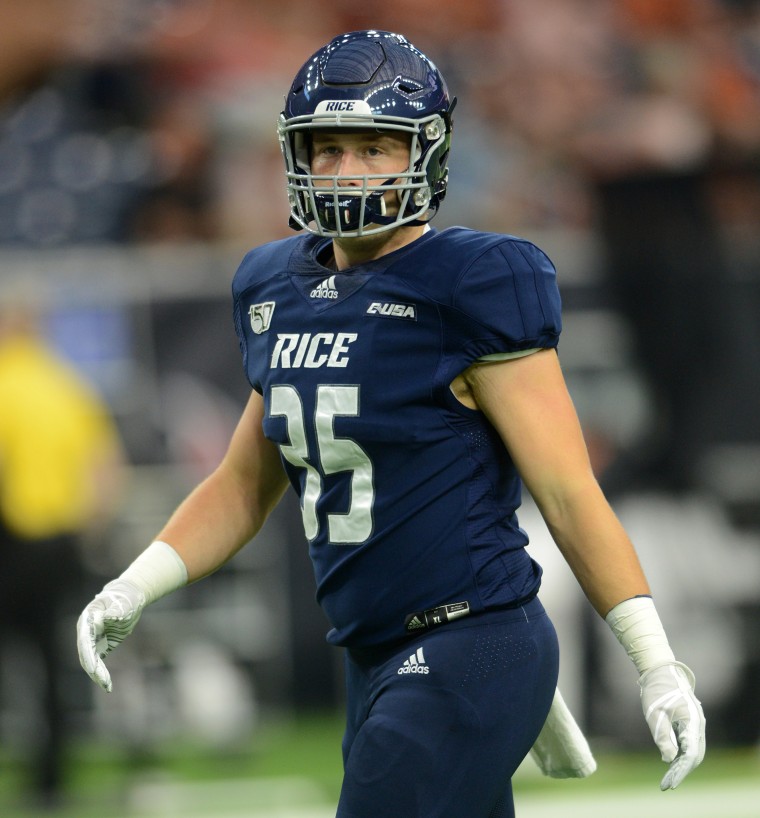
{"x": 328, "y": 206}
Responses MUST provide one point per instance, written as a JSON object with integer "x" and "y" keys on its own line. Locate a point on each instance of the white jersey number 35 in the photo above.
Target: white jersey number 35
{"x": 335, "y": 454}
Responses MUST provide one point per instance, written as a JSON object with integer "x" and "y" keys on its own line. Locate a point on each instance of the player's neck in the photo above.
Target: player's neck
{"x": 356, "y": 251}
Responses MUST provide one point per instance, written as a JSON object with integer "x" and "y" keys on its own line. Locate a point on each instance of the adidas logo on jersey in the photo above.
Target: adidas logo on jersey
{"x": 326, "y": 289}
{"x": 415, "y": 623}
{"x": 414, "y": 664}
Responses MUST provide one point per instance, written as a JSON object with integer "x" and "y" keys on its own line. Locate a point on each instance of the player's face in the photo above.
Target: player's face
{"x": 355, "y": 154}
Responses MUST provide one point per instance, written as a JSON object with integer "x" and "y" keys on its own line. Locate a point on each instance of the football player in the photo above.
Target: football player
{"x": 405, "y": 383}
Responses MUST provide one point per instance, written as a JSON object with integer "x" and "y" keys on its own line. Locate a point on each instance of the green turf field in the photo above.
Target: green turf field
{"x": 293, "y": 771}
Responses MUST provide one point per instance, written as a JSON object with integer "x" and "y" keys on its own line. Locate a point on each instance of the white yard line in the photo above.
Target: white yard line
{"x": 297, "y": 798}
{"x": 723, "y": 800}
{"x": 279, "y": 797}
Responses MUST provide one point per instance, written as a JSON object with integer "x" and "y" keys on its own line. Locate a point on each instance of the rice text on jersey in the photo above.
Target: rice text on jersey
{"x": 294, "y": 350}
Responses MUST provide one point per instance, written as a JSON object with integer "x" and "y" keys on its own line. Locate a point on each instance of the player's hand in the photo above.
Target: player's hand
{"x": 675, "y": 718}
{"x": 104, "y": 624}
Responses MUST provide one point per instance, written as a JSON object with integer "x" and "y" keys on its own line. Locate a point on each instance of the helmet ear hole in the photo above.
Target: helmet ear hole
{"x": 408, "y": 87}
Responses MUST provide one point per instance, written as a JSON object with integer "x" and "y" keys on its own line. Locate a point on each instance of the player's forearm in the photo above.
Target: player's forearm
{"x": 214, "y": 522}
{"x": 596, "y": 547}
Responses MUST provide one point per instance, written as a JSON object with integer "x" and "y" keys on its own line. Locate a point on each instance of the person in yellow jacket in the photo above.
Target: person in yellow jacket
{"x": 60, "y": 474}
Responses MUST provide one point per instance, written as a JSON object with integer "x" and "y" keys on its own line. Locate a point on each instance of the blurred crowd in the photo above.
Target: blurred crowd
{"x": 634, "y": 121}
{"x": 154, "y": 120}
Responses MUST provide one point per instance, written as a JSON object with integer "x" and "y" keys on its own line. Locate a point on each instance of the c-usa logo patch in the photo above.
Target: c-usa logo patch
{"x": 261, "y": 316}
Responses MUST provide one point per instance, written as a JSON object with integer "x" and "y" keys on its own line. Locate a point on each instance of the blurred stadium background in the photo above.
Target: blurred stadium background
{"x": 138, "y": 162}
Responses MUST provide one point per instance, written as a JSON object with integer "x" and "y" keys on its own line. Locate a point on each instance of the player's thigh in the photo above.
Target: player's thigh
{"x": 444, "y": 744}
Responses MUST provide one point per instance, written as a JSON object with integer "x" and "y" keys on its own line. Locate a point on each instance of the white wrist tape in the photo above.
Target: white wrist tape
{"x": 158, "y": 571}
{"x": 638, "y": 628}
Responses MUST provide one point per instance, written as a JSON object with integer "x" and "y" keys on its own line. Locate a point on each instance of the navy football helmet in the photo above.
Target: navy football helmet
{"x": 366, "y": 79}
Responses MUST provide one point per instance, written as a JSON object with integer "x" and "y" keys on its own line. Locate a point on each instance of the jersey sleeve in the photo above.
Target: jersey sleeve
{"x": 252, "y": 307}
{"x": 507, "y": 301}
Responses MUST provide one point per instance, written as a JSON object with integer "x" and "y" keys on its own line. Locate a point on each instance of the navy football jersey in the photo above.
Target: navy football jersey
{"x": 408, "y": 497}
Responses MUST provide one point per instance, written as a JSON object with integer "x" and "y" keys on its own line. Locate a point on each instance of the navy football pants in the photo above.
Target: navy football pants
{"x": 437, "y": 727}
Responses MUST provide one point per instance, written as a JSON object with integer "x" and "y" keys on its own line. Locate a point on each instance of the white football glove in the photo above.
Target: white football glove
{"x": 561, "y": 749}
{"x": 671, "y": 709}
{"x": 104, "y": 624}
{"x": 675, "y": 719}
{"x": 112, "y": 615}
